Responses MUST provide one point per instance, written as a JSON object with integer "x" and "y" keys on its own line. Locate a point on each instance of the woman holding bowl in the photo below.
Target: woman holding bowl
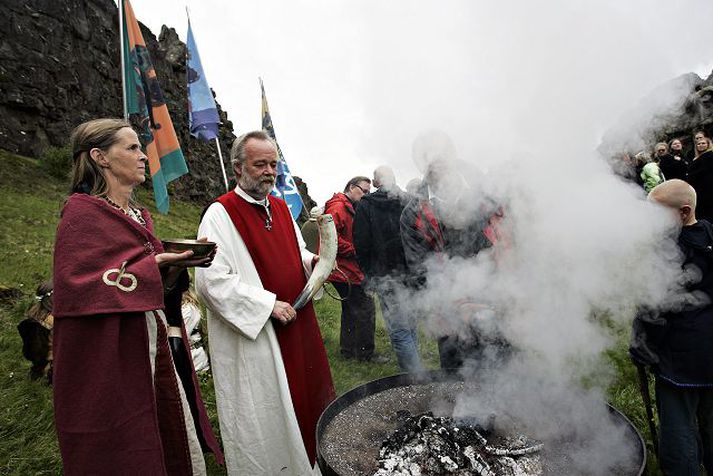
{"x": 119, "y": 406}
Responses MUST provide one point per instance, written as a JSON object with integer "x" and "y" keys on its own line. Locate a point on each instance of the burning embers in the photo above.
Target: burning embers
{"x": 428, "y": 445}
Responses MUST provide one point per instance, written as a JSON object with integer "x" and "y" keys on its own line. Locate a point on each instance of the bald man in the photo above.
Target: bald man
{"x": 678, "y": 344}
{"x": 678, "y": 196}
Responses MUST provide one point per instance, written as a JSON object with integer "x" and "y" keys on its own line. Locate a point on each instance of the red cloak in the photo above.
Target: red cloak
{"x": 276, "y": 255}
{"x": 111, "y": 416}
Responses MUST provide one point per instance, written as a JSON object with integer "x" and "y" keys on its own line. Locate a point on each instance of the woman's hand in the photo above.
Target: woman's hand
{"x": 172, "y": 264}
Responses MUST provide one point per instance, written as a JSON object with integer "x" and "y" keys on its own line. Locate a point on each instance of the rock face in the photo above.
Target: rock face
{"x": 676, "y": 109}
{"x": 60, "y": 66}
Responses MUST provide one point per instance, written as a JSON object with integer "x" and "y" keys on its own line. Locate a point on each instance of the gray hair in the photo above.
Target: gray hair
{"x": 237, "y": 151}
{"x": 384, "y": 177}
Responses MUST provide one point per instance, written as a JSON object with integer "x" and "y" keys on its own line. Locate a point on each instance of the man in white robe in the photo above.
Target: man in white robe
{"x": 258, "y": 424}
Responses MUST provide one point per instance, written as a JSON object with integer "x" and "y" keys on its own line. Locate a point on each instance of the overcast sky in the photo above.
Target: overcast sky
{"x": 351, "y": 83}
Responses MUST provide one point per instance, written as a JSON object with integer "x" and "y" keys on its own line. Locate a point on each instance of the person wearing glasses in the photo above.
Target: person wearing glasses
{"x": 356, "y": 340}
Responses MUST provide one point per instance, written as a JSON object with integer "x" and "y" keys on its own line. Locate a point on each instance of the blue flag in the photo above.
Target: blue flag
{"x": 203, "y": 116}
{"x": 285, "y": 187}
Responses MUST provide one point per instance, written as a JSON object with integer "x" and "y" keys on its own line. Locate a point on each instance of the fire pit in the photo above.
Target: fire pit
{"x": 351, "y": 431}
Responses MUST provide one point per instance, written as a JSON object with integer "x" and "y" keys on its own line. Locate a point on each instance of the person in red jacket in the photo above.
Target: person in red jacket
{"x": 356, "y": 340}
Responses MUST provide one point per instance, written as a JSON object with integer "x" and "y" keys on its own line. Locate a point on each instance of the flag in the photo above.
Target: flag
{"x": 146, "y": 107}
{"x": 203, "y": 116}
{"x": 285, "y": 187}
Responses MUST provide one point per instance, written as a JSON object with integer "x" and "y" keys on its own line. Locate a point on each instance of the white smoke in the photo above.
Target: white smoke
{"x": 525, "y": 91}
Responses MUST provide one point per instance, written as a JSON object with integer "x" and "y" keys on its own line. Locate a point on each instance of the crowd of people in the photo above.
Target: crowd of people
{"x": 669, "y": 161}
{"x": 130, "y": 402}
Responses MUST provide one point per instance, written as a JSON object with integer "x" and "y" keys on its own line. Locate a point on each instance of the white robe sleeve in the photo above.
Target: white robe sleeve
{"x": 231, "y": 287}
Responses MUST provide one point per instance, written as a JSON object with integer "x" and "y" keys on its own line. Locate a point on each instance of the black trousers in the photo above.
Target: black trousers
{"x": 686, "y": 435}
{"x": 356, "y": 340}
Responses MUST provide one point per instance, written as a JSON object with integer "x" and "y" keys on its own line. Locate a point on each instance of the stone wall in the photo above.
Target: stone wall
{"x": 60, "y": 66}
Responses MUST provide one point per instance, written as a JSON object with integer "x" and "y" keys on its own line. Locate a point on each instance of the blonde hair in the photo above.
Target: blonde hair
{"x": 695, "y": 149}
{"x": 42, "y": 306}
{"x": 87, "y": 176}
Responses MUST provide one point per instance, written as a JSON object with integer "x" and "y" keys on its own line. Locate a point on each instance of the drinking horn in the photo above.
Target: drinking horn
{"x": 325, "y": 265}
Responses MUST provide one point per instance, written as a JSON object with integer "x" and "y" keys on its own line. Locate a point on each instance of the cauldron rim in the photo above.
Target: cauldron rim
{"x": 401, "y": 380}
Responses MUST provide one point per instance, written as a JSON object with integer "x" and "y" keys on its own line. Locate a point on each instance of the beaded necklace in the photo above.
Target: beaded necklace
{"x": 133, "y": 213}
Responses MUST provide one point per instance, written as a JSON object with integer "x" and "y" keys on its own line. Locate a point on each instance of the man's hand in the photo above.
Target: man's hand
{"x": 283, "y": 312}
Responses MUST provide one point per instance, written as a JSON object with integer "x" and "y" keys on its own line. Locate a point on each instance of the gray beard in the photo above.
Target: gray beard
{"x": 255, "y": 188}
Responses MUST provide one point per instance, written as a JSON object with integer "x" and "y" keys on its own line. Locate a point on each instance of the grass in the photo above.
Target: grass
{"x": 29, "y": 210}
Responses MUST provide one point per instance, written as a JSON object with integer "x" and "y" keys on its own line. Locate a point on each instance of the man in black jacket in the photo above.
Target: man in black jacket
{"x": 676, "y": 343}
{"x": 380, "y": 255}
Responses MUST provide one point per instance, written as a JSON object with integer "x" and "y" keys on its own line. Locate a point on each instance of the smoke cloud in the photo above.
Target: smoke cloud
{"x": 525, "y": 92}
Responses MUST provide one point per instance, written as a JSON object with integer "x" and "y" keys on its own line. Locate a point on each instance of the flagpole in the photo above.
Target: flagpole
{"x": 222, "y": 165}
{"x": 123, "y": 60}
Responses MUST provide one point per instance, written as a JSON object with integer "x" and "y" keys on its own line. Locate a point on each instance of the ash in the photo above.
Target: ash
{"x": 428, "y": 445}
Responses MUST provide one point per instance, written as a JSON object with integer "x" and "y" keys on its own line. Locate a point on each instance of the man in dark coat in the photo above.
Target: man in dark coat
{"x": 380, "y": 255}
{"x": 356, "y": 339}
{"x": 676, "y": 343}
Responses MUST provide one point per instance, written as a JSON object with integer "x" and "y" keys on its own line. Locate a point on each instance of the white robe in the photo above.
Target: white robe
{"x": 258, "y": 424}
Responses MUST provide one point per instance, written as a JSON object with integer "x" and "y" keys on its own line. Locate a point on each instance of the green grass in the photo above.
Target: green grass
{"x": 29, "y": 210}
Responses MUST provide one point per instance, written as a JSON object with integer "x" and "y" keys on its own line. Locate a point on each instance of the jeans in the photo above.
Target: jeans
{"x": 686, "y": 420}
{"x": 356, "y": 338}
{"x": 402, "y": 330}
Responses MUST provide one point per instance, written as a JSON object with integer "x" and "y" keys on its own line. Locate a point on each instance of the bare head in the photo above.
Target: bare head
{"x": 679, "y": 196}
{"x": 254, "y": 160}
{"x": 413, "y": 185}
{"x": 432, "y": 146}
{"x": 93, "y": 145}
{"x": 357, "y": 187}
{"x": 384, "y": 177}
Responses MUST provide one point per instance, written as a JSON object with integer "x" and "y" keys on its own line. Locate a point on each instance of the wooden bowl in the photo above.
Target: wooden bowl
{"x": 178, "y": 245}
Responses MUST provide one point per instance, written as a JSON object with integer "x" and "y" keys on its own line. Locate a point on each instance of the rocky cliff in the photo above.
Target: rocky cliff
{"x": 675, "y": 109}
{"x": 60, "y": 66}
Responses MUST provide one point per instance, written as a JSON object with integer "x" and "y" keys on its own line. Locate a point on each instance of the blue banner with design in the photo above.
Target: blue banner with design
{"x": 203, "y": 116}
{"x": 285, "y": 187}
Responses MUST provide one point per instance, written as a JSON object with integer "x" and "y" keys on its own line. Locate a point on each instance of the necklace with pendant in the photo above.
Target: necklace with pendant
{"x": 268, "y": 219}
{"x": 132, "y": 213}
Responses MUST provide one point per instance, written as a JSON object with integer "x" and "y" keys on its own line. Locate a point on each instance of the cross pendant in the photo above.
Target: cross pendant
{"x": 268, "y": 224}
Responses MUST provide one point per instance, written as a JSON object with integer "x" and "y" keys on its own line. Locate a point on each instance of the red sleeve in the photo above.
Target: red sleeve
{"x": 345, "y": 247}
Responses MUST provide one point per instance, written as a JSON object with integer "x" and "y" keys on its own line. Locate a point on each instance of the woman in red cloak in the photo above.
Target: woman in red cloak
{"x": 119, "y": 405}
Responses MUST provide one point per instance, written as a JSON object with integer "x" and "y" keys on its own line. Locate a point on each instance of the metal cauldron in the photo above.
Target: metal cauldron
{"x": 330, "y": 465}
